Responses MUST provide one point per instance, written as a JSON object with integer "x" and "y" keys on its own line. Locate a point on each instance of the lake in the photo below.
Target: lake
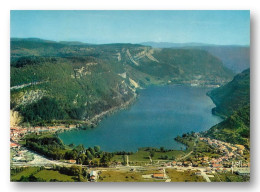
{"x": 159, "y": 115}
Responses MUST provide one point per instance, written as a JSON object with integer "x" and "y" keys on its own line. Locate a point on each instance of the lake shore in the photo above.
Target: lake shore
{"x": 93, "y": 122}
{"x": 161, "y": 113}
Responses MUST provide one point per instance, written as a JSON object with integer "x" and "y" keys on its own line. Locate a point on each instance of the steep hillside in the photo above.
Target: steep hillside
{"x": 54, "y": 82}
{"x": 233, "y": 102}
{"x": 233, "y": 95}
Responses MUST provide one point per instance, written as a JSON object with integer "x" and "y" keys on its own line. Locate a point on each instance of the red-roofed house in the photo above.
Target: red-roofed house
{"x": 158, "y": 175}
{"x": 14, "y": 145}
{"x": 217, "y": 165}
{"x": 72, "y": 161}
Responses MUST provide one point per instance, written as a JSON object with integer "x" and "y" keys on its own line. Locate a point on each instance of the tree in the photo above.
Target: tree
{"x": 162, "y": 149}
{"x": 105, "y": 159}
{"x": 97, "y": 148}
{"x": 81, "y": 159}
{"x": 75, "y": 170}
{"x": 95, "y": 162}
{"x": 72, "y": 154}
{"x": 89, "y": 155}
{"x": 86, "y": 162}
{"x": 71, "y": 145}
{"x": 80, "y": 148}
{"x": 152, "y": 154}
{"x": 92, "y": 151}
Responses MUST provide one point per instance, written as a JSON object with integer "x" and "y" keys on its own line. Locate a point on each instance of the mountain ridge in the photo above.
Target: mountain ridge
{"x": 234, "y": 57}
{"x": 96, "y": 78}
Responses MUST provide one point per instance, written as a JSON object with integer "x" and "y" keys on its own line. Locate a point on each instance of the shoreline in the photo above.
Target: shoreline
{"x": 94, "y": 121}
{"x": 98, "y": 118}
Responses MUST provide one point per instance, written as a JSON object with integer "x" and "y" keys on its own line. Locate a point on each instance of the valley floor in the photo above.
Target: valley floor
{"x": 187, "y": 166}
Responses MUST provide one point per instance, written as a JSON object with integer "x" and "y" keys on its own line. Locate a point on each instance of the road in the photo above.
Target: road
{"x": 26, "y": 85}
{"x": 43, "y": 161}
{"x": 185, "y": 156}
{"x": 205, "y": 176}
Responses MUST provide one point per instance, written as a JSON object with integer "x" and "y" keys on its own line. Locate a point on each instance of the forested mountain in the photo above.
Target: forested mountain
{"x": 232, "y": 96}
{"x": 66, "y": 81}
{"x": 233, "y": 102}
{"x": 234, "y": 57}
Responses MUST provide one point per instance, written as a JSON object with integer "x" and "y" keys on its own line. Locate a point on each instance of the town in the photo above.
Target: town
{"x": 227, "y": 159}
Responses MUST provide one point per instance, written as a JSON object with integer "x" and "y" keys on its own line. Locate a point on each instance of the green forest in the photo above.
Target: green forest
{"x": 233, "y": 104}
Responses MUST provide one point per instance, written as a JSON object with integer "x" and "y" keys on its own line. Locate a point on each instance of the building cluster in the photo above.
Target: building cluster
{"x": 16, "y": 133}
{"x": 229, "y": 149}
{"x": 230, "y": 156}
{"x": 228, "y": 152}
{"x": 20, "y": 154}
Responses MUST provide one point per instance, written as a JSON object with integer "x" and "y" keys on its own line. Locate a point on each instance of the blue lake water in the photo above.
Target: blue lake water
{"x": 159, "y": 115}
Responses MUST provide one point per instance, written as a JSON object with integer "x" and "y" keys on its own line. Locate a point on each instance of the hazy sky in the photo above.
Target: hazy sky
{"x": 214, "y": 27}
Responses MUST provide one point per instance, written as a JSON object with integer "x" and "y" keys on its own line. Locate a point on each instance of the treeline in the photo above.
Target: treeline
{"x": 48, "y": 145}
{"x": 31, "y": 60}
{"x": 161, "y": 149}
{"x": 45, "y": 109}
{"x": 52, "y": 147}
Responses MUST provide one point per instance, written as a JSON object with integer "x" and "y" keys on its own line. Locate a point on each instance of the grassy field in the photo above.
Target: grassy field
{"x": 143, "y": 156}
{"x": 140, "y": 155}
{"x": 26, "y": 173}
{"x": 171, "y": 154}
{"x": 48, "y": 175}
{"x": 43, "y": 175}
{"x": 126, "y": 176}
{"x": 186, "y": 176}
{"x": 119, "y": 176}
{"x": 129, "y": 176}
{"x": 229, "y": 177}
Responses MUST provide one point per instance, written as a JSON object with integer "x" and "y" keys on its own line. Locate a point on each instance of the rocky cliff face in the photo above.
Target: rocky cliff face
{"x": 15, "y": 118}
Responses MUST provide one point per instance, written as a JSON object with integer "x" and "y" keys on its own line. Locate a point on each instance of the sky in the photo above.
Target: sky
{"x": 211, "y": 27}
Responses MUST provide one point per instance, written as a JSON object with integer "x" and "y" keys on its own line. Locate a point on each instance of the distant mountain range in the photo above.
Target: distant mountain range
{"x": 234, "y": 57}
{"x": 173, "y": 45}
